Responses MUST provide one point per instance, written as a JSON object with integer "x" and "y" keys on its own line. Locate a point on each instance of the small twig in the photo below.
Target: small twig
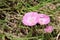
{"x": 5, "y": 9}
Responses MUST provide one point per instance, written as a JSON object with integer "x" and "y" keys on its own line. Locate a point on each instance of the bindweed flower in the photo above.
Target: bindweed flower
{"x": 48, "y": 29}
{"x": 30, "y": 18}
{"x": 43, "y": 19}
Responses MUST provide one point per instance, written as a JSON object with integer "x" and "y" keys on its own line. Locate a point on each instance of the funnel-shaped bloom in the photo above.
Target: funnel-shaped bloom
{"x": 48, "y": 29}
{"x": 30, "y": 18}
{"x": 43, "y": 19}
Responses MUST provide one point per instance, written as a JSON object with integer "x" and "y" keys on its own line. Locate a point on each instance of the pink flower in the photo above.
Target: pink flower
{"x": 30, "y": 18}
{"x": 43, "y": 19}
{"x": 48, "y": 29}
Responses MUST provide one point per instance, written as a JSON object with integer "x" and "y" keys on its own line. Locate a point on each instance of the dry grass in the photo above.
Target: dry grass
{"x": 12, "y": 11}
